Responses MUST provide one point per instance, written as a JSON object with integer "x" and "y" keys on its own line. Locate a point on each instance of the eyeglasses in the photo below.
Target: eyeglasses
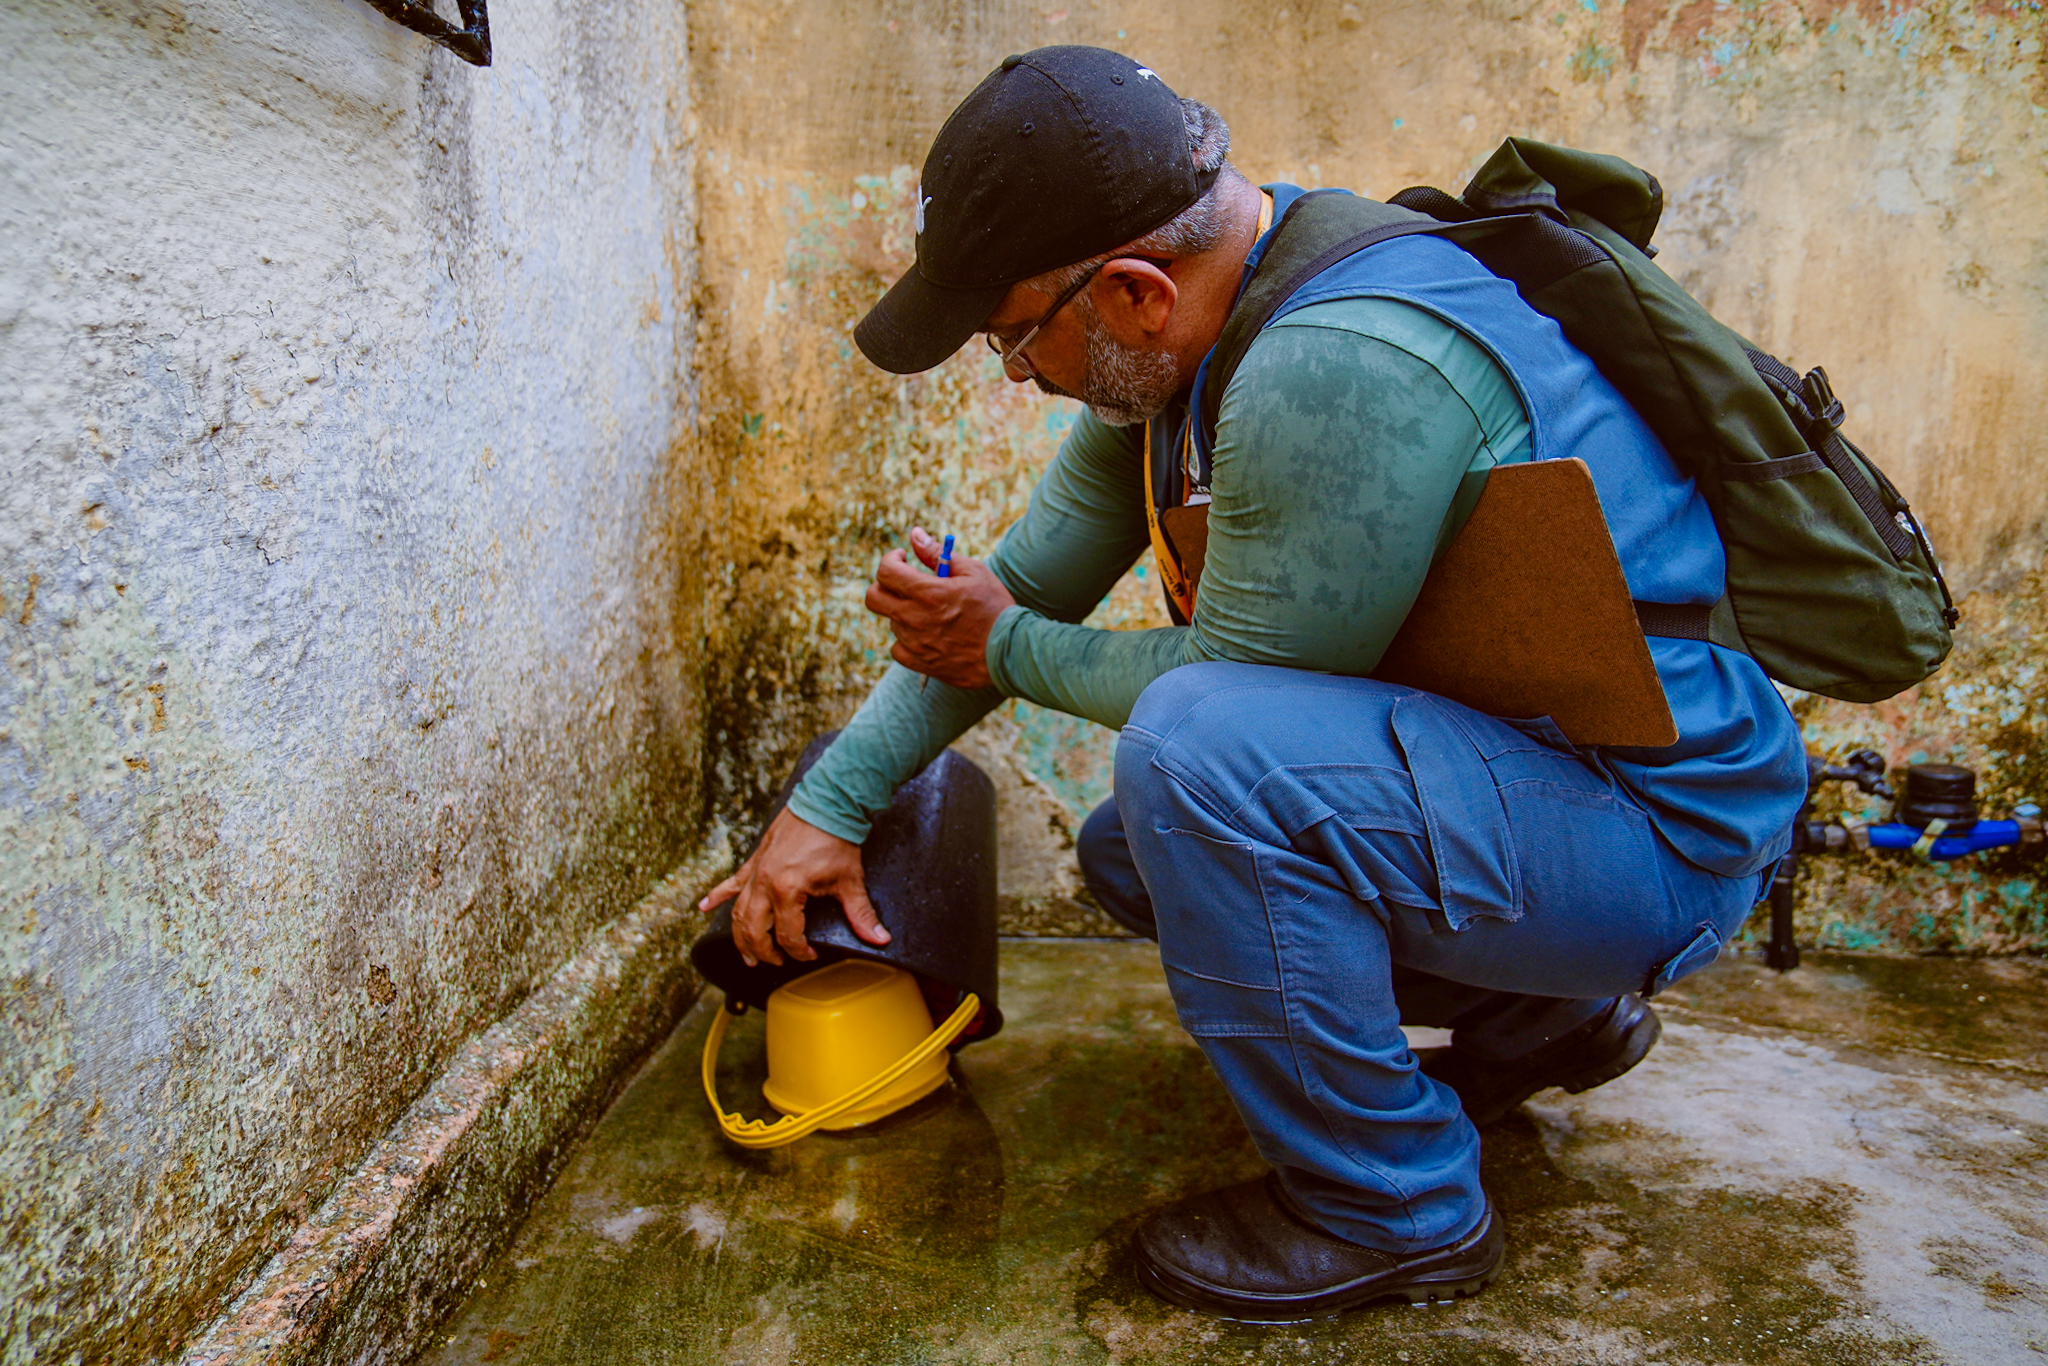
{"x": 1009, "y": 354}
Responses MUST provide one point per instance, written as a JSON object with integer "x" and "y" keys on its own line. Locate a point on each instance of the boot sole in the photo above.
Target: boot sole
{"x": 1425, "y": 1286}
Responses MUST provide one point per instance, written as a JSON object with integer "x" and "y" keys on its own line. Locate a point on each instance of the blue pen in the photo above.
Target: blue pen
{"x": 945, "y": 572}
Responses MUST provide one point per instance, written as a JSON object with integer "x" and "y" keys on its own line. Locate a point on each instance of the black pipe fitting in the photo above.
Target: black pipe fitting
{"x": 1946, "y": 792}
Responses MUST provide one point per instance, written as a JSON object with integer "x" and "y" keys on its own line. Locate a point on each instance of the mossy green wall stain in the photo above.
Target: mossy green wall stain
{"x": 252, "y": 1084}
{"x": 1074, "y": 757}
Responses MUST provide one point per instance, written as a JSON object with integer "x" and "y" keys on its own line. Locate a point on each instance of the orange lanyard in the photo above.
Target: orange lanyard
{"x": 1171, "y": 573}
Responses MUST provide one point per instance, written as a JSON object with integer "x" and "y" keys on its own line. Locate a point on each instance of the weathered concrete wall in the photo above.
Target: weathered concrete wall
{"x": 344, "y": 400}
{"x": 407, "y": 1235}
{"x": 1860, "y": 185}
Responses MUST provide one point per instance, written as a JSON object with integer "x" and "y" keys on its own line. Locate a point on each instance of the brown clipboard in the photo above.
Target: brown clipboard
{"x": 1526, "y": 614}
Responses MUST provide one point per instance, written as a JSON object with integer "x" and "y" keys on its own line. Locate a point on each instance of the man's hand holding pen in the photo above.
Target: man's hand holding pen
{"x": 941, "y": 624}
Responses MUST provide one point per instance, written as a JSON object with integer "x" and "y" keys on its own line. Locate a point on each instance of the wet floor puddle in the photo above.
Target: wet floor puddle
{"x": 989, "y": 1224}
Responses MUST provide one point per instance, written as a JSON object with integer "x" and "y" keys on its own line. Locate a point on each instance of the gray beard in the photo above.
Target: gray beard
{"x": 1124, "y": 387}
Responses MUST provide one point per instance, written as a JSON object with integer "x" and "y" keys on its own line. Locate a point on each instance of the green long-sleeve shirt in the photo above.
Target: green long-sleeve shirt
{"x": 1353, "y": 442}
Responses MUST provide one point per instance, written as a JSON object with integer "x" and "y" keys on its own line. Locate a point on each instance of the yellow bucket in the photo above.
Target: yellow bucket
{"x": 847, "y": 1045}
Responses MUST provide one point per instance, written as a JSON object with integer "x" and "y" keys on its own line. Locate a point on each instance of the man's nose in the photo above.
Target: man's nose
{"x": 1017, "y": 370}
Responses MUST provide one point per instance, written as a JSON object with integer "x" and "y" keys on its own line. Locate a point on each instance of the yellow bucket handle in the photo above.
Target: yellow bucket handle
{"x": 754, "y": 1133}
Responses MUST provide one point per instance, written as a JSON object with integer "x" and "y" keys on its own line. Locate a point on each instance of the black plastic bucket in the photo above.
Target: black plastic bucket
{"x": 930, "y": 864}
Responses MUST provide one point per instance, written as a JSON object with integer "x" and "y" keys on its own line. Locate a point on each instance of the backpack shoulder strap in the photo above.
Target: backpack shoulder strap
{"x": 1318, "y": 230}
{"x": 1324, "y": 227}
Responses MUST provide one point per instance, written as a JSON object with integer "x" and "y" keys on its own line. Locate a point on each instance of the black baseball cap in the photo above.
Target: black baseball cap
{"x": 1059, "y": 155}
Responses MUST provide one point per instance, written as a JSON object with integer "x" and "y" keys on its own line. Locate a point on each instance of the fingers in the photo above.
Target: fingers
{"x": 896, "y": 575}
{"x": 734, "y": 889}
{"x": 724, "y": 890}
{"x": 789, "y": 927}
{"x": 768, "y": 922}
{"x": 885, "y": 603}
{"x": 914, "y": 603}
{"x": 967, "y": 567}
{"x": 750, "y": 917}
{"x": 860, "y": 912}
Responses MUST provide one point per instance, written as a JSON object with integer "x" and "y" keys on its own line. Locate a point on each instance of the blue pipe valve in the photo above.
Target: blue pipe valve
{"x": 2020, "y": 830}
{"x": 1935, "y": 819}
{"x": 1936, "y": 816}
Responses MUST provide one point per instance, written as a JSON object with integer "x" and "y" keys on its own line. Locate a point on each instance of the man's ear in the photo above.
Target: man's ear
{"x": 1135, "y": 300}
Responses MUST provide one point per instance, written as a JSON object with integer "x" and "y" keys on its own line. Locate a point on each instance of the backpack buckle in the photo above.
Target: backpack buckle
{"x": 1822, "y": 407}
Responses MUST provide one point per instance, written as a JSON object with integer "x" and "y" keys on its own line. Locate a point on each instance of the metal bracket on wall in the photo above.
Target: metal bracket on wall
{"x": 471, "y": 42}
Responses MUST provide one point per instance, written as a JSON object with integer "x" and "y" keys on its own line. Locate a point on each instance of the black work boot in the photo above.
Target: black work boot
{"x": 1595, "y": 1053}
{"x": 1245, "y": 1252}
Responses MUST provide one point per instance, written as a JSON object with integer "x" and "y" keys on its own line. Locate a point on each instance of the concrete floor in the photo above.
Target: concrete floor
{"x": 1843, "y": 1165}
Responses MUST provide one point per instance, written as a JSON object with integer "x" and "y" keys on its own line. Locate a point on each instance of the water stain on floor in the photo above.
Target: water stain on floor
{"x": 1836, "y": 1168}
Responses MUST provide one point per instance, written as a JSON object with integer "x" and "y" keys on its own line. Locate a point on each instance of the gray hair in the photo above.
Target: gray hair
{"x": 1192, "y": 231}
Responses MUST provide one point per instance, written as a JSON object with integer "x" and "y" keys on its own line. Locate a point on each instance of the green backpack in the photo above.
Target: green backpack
{"x": 1832, "y": 586}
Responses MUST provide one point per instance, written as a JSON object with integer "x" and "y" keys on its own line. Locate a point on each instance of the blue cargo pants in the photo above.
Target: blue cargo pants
{"x": 1325, "y": 859}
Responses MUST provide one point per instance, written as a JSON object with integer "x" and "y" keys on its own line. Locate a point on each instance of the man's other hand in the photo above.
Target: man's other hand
{"x": 941, "y": 625}
{"x": 795, "y": 862}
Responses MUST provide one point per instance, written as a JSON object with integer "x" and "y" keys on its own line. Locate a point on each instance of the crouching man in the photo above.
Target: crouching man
{"x": 1322, "y": 857}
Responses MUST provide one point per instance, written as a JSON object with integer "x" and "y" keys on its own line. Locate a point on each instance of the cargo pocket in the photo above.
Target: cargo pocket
{"x": 1469, "y": 841}
{"x": 1704, "y": 949}
{"x": 1218, "y": 951}
{"x": 1360, "y": 821}
{"x": 1211, "y": 1008}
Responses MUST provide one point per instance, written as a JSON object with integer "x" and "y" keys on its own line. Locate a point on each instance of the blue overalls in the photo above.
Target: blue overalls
{"x": 1326, "y": 858}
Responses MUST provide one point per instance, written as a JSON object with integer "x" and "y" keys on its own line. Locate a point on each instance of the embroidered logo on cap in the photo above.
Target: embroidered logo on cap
{"x": 1146, "y": 73}
{"x": 918, "y": 220}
